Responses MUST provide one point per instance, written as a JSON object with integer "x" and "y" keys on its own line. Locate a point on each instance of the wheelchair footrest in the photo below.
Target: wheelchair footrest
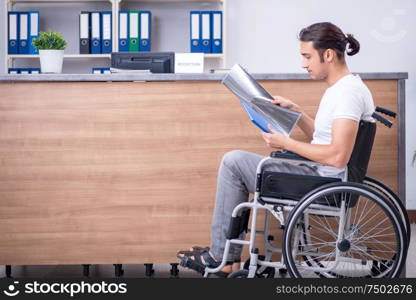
{"x": 290, "y": 186}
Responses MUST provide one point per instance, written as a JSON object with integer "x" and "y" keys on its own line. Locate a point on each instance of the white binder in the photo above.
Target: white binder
{"x": 84, "y": 33}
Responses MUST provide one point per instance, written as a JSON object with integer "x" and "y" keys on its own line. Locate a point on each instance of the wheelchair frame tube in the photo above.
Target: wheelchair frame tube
{"x": 229, "y": 242}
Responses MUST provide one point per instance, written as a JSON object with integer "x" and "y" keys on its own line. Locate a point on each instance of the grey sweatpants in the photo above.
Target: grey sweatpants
{"x": 236, "y": 179}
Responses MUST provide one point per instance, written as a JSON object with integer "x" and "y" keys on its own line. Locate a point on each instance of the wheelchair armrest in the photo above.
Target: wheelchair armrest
{"x": 288, "y": 155}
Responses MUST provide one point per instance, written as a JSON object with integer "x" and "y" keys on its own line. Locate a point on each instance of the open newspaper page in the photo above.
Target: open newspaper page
{"x": 256, "y": 101}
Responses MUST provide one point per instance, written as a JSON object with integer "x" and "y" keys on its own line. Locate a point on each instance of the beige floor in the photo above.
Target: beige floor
{"x": 138, "y": 271}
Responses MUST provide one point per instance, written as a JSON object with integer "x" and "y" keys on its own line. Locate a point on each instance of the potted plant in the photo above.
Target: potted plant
{"x": 51, "y": 46}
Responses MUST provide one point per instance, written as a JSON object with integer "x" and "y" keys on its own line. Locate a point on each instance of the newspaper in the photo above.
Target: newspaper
{"x": 257, "y": 102}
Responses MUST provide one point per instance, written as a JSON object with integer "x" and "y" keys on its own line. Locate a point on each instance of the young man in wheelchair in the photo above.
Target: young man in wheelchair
{"x": 332, "y": 133}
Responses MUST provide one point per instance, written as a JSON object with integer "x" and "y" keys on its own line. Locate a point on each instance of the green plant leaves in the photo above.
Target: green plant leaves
{"x": 49, "y": 40}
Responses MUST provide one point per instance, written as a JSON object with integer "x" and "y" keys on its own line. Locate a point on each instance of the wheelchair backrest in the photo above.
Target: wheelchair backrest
{"x": 360, "y": 157}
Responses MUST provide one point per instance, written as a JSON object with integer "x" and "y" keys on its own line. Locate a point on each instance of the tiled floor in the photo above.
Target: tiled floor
{"x": 138, "y": 271}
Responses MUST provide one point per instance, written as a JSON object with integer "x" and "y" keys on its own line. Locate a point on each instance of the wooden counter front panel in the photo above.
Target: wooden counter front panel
{"x": 95, "y": 173}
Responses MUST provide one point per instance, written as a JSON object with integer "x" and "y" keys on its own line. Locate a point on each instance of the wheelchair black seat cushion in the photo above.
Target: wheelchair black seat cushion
{"x": 291, "y": 186}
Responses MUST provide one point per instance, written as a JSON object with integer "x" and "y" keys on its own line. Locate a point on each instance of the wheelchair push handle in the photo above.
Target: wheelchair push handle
{"x": 386, "y": 111}
{"x": 382, "y": 120}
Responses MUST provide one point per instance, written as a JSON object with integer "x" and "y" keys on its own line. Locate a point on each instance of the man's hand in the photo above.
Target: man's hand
{"x": 286, "y": 103}
{"x": 306, "y": 123}
{"x": 275, "y": 139}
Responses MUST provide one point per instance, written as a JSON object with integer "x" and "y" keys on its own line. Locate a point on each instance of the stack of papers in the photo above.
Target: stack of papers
{"x": 129, "y": 71}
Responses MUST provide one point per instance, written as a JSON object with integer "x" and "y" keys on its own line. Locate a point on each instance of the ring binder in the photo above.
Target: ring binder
{"x": 95, "y": 33}
{"x": 134, "y": 31}
{"x": 13, "y": 26}
{"x": 106, "y": 32}
{"x": 206, "y": 31}
{"x": 123, "y": 21}
{"x": 23, "y": 33}
{"x": 33, "y": 30}
{"x": 216, "y": 22}
{"x": 84, "y": 33}
{"x": 13, "y": 70}
{"x": 145, "y": 30}
{"x": 195, "y": 20}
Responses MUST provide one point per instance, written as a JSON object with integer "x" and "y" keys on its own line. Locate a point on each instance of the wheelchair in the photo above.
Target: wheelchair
{"x": 350, "y": 227}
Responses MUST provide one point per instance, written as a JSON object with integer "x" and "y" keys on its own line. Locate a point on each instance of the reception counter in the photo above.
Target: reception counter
{"x": 121, "y": 168}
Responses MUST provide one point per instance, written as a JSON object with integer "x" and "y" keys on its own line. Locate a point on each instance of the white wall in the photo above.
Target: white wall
{"x": 262, "y": 35}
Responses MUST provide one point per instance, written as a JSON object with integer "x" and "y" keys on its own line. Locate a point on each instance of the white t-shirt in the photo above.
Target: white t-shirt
{"x": 348, "y": 98}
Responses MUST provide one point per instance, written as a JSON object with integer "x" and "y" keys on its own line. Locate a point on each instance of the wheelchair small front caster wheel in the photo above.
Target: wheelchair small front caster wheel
{"x": 266, "y": 273}
{"x": 238, "y": 274}
{"x": 283, "y": 271}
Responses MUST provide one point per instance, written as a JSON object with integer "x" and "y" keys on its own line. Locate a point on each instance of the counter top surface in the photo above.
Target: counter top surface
{"x": 172, "y": 77}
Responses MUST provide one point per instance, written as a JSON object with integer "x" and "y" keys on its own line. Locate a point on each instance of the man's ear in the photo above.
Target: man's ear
{"x": 329, "y": 55}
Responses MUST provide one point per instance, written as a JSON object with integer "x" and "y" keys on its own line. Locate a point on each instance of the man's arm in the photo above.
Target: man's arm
{"x": 305, "y": 123}
{"x": 336, "y": 154}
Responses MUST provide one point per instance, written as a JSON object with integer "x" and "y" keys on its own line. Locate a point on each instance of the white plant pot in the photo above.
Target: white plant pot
{"x": 51, "y": 61}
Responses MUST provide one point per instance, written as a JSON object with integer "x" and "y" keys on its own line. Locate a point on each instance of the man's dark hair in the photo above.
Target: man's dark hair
{"x": 326, "y": 35}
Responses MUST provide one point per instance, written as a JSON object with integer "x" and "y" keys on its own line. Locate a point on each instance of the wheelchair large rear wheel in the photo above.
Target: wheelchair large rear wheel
{"x": 340, "y": 230}
{"x": 395, "y": 200}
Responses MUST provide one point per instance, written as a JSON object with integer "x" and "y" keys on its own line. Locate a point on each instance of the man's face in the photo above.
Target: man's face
{"x": 311, "y": 61}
